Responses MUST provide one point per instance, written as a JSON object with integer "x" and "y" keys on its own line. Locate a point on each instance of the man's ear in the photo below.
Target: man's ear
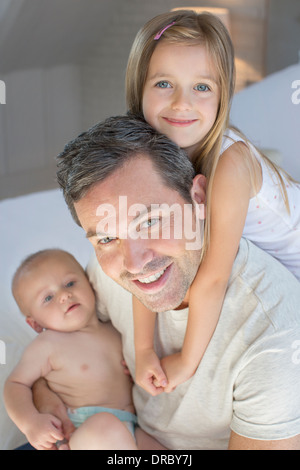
{"x": 198, "y": 194}
{"x": 198, "y": 191}
{"x": 34, "y": 325}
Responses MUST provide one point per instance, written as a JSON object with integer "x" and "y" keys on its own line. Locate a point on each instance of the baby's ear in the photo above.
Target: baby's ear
{"x": 34, "y": 325}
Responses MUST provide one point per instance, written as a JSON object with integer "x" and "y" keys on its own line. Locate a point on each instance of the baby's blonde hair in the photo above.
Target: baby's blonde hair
{"x": 186, "y": 27}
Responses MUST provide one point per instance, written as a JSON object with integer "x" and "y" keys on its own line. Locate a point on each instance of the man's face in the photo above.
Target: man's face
{"x": 136, "y": 244}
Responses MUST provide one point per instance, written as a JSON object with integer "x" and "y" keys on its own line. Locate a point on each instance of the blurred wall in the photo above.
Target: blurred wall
{"x": 63, "y": 63}
{"x": 283, "y": 35}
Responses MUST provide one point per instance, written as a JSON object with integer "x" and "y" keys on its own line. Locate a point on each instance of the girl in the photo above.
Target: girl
{"x": 181, "y": 77}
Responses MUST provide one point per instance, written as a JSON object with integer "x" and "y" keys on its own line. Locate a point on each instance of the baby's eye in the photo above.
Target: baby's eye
{"x": 48, "y": 298}
{"x": 202, "y": 87}
{"x": 70, "y": 284}
{"x": 163, "y": 84}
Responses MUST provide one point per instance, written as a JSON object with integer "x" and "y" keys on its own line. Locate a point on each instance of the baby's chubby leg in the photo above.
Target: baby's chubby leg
{"x": 102, "y": 431}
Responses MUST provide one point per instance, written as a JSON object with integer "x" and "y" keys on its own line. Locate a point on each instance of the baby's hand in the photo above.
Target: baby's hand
{"x": 45, "y": 430}
{"x": 177, "y": 371}
{"x": 149, "y": 373}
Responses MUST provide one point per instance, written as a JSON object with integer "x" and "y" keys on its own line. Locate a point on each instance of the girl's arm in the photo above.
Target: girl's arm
{"x": 42, "y": 430}
{"x": 148, "y": 371}
{"x": 230, "y": 196}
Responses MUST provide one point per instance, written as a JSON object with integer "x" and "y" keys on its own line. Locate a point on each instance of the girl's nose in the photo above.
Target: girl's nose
{"x": 182, "y": 100}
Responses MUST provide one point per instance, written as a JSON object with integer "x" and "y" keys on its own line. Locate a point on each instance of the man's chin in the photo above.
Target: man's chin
{"x": 160, "y": 306}
{"x": 161, "y": 301}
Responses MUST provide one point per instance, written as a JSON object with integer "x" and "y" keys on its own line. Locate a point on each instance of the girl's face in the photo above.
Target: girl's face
{"x": 181, "y": 94}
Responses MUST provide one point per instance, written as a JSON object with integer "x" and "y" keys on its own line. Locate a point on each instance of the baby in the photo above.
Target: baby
{"x": 79, "y": 356}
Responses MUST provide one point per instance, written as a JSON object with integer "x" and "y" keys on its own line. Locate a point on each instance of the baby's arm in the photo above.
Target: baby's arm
{"x": 41, "y": 430}
{"x": 148, "y": 371}
{"x": 229, "y": 204}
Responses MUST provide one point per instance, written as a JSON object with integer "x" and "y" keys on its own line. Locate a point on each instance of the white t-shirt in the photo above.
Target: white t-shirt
{"x": 249, "y": 377}
{"x": 268, "y": 223}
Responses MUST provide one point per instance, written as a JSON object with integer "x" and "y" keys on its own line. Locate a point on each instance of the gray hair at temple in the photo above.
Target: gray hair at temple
{"x": 106, "y": 147}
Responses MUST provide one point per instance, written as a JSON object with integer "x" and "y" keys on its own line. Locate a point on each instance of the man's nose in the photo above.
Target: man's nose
{"x": 136, "y": 254}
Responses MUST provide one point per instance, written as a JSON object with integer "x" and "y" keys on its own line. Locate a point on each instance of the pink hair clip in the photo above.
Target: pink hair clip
{"x": 160, "y": 33}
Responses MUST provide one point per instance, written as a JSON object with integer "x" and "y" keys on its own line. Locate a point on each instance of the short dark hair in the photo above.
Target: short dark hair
{"x": 97, "y": 153}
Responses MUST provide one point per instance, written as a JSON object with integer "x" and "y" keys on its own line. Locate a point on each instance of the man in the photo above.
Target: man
{"x": 245, "y": 392}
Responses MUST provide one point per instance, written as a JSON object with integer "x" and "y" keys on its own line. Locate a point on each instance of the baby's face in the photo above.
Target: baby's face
{"x": 57, "y": 294}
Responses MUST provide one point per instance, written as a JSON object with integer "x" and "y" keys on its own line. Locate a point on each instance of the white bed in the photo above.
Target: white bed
{"x": 28, "y": 224}
{"x": 265, "y": 112}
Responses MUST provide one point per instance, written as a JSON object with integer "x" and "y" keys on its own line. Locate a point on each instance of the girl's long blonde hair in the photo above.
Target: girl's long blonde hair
{"x": 190, "y": 28}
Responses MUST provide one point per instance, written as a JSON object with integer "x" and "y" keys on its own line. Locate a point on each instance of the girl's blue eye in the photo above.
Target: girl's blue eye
{"x": 70, "y": 284}
{"x": 163, "y": 84}
{"x": 48, "y": 298}
{"x": 202, "y": 87}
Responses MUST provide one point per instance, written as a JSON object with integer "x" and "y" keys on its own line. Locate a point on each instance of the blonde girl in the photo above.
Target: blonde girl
{"x": 181, "y": 78}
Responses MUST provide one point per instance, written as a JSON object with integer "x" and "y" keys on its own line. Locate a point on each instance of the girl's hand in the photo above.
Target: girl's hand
{"x": 177, "y": 371}
{"x": 149, "y": 373}
{"x": 45, "y": 430}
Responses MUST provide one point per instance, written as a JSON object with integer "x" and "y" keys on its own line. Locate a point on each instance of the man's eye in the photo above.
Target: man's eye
{"x": 105, "y": 240}
{"x": 163, "y": 84}
{"x": 149, "y": 223}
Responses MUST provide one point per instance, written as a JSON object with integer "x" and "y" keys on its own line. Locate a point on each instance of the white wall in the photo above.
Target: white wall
{"x": 42, "y": 112}
{"x": 266, "y": 113}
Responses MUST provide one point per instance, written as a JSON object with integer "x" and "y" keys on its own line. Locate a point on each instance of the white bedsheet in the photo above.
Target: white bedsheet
{"x": 27, "y": 224}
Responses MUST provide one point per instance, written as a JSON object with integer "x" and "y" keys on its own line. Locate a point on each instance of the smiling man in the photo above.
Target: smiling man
{"x": 245, "y": 392}
{"x": 158, "y": 270}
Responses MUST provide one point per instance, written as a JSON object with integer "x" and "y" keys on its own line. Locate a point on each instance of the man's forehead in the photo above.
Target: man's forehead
{"x": 133, "y": 191}
{"x": 138, "y": 180}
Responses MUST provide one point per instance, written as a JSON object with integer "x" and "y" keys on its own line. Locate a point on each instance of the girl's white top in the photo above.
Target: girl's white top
{"x": 268, "y": 223}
